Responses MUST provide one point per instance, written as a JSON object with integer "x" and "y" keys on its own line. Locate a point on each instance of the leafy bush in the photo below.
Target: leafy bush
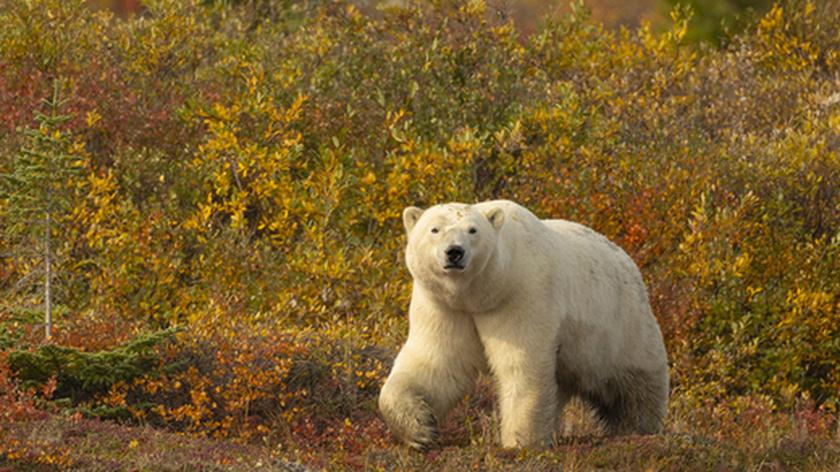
{"x": 245, "y": 176}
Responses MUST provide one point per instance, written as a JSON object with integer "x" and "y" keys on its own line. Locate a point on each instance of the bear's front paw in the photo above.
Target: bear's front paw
{"x": 410, "y": 419}
{"x": 422, "y": 433}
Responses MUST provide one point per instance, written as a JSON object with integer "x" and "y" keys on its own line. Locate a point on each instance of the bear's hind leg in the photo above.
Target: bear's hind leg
{"x": 633, "y": 403}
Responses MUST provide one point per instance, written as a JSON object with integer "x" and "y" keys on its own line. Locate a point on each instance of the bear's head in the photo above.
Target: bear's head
{"x": 451, "y": 245}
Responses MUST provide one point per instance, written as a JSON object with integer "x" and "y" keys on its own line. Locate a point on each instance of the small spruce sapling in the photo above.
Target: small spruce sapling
{"x": 37, "y": 194}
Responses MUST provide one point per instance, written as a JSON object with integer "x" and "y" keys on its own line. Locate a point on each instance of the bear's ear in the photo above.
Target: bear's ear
{"x": 410, "y": 216}
{"x": 496, "y": 217}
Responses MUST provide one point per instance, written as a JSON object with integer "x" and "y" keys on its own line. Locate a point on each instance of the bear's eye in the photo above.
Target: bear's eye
{"x": 473, "y": 230}
{"x": 434, "y": 230}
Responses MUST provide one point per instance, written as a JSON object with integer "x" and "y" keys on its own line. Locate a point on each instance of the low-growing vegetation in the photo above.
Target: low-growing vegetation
{"x": 218, "y": 189}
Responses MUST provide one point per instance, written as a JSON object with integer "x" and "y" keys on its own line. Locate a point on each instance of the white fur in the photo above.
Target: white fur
{"x": 551, "y": 307}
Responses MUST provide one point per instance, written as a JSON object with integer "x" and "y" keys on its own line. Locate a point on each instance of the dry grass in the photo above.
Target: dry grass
{"x": 62, "y": 443}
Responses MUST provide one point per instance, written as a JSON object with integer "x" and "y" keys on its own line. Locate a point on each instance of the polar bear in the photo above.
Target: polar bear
{"x": 550, "y": 308}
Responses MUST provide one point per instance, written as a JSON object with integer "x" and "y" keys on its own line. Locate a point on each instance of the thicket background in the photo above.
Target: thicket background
{"x": 225, "y": 181}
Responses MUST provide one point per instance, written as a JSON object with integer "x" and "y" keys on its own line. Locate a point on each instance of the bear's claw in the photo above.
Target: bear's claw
{"x": 426, "y": 433}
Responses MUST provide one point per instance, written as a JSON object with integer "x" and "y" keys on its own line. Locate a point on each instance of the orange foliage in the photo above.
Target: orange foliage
{"x": 243, "y": 179}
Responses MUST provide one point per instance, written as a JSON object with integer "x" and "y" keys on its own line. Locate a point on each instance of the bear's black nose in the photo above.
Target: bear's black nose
{"x": 454, "y": 254}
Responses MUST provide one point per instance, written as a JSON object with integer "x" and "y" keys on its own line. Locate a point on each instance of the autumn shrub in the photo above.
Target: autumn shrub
{"x": 260, "y": 384}
{"x": 242, "y": 177}
{"x": 19, "y": 403}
